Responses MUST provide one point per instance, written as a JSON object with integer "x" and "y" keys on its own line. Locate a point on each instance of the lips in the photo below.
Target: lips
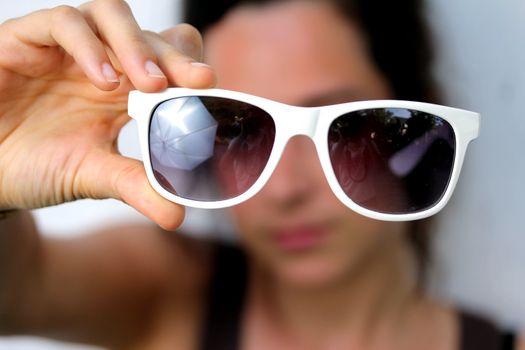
{"x": 300, "y": 238}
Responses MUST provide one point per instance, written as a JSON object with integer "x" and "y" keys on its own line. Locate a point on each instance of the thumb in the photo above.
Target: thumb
{"x": 125, "y": 179}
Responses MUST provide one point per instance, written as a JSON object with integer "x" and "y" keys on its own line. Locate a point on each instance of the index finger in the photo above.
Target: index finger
{"x": 29, "y": 45}
{"x": 116, "y": 26}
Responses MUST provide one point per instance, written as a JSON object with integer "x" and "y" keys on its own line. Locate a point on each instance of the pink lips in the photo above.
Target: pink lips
{"x": 299, "y": 238}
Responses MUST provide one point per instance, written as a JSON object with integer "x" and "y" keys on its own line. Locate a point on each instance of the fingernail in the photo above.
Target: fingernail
{"x": 109, "y": 73}
{"x": 200, "y": 64}
{"x": 154, "y": 70}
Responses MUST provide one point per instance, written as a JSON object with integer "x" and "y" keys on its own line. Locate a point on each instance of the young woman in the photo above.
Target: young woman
{"x": 308, "y": 272}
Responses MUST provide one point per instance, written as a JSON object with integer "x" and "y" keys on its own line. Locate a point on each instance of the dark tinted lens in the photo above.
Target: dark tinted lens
{"x": 393, "y": 160}
{"x": 209, "y": 148}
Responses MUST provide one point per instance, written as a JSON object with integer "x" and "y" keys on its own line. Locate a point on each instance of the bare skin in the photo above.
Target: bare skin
{"x": 143, "y": 287}
{"x": 61, "y": 107}
{"x": 51, "y": 88}
{"x": 354, "y": 289}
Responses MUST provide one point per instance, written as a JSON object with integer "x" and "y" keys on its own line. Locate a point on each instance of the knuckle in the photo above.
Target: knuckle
{"x": 149, "y": 33}
{"x": 135, "y": 40}
{"x": 174, "y": 56}
{"x": 187, "y": 40}
{"x": 188, "y": 31}
{"x": 7, "y": 29}
{"x": 115, "y": 5}
{"x": 152, "y": 38}
{"x": 62, "y": 17}
{"x": 64, "y": 13}
{"x": 7, "y": 23}
{"x": 189, "y": 35}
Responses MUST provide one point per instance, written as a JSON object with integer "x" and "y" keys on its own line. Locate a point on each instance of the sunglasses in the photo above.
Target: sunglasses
{"x": 386, "y": 159}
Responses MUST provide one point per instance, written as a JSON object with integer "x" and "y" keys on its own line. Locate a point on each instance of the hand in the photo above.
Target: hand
{"x": 64, "y": 78}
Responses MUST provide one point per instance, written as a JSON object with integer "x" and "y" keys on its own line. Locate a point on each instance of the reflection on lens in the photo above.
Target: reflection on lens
{"x": 392, "y": 160}
{"x": 209, "y": 148}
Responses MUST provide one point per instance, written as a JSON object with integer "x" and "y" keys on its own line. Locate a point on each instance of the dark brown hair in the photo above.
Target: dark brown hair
{"x": 400, "y": 45}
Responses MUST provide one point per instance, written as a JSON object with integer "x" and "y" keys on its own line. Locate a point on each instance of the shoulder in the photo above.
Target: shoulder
{"x": 128, "y": 277}
{"x": 183, "y": 268}
{"x": 185, "y": 262}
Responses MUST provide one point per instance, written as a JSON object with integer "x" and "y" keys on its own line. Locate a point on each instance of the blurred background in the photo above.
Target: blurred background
{"x": 480, "y": 240}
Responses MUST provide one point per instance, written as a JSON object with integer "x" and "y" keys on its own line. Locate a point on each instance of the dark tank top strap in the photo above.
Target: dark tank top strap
{"x": 479, "y": 334}
{"x": 509, "y": 341}
{"x": 226, "y": 296}
{"x": 222, "y": 322}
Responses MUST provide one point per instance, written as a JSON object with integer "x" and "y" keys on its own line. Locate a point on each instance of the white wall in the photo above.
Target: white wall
{"x": 481, "y": 242}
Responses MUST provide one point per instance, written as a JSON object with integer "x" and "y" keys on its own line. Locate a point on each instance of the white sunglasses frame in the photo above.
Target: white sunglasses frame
{"x": 315, "y": 123}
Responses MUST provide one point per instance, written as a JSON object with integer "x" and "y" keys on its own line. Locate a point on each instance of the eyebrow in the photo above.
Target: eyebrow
{"x": 334, "y": 96}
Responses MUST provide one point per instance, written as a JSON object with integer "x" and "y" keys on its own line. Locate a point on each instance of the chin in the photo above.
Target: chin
{"x": 311, "y": 272}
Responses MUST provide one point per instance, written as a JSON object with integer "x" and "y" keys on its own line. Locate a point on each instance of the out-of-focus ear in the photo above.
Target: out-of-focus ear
{"x": 186, "y": 39}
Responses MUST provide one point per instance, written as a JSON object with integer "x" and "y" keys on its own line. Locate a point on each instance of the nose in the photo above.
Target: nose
{"x": 298, "y": 177}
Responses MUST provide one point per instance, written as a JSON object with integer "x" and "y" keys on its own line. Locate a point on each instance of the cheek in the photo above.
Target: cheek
{"x": 247, "y": 216}
{"x": 360, "y": 237}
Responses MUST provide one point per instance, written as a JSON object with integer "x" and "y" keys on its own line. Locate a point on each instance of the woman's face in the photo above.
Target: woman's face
{"x": 301, "y": 53}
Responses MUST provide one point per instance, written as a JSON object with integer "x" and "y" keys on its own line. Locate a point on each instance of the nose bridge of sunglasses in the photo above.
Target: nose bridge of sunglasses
{"x": 296, "y": 121}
